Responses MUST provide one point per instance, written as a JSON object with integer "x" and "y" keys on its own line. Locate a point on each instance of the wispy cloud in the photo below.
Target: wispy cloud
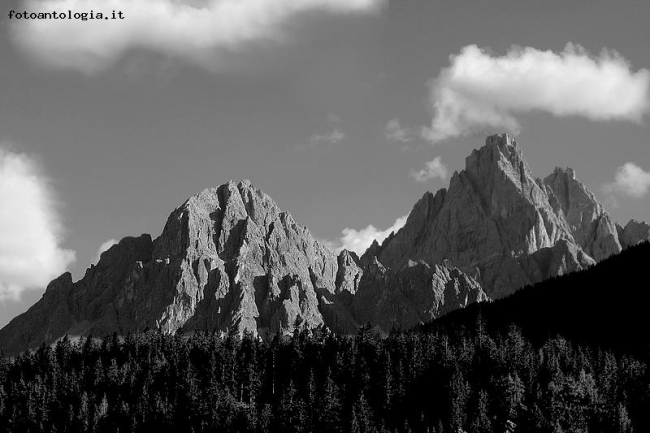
{"x": 432, "y": 169}
{"x": 186, "y": 29}
{"x": 104, "y": 247}
{"x": 30, "y": 232}
{"x": 480, "y": 91}
{"x": 396, "y": 133}
{"x": 631, "y": 180}
{"x": 359, "y": 240}
{"x": 332, "y": 137}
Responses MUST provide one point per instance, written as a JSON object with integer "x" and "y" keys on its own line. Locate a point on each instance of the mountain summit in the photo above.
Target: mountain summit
{"x": 229, "y": 259}
{"x": 501, "y": 224}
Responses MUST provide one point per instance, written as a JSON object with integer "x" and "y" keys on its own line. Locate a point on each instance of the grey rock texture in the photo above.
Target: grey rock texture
{"x": 415, "y": 294}
{"x": 227, "y": 258}
{"x": 105, "y": 300}
{"x": 243, "y": 263}
{"x": 501, "y": 225}
{"x": 592, "y": 228}
{"x": 349, "y": 273}
{"x": 633, "y": 233}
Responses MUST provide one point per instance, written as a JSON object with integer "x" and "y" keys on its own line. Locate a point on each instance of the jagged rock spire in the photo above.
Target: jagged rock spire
{"x": 498, "y": 221}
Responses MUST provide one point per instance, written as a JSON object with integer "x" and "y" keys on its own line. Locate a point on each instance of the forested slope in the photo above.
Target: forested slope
{"x": 318, "y": 382}
{"x": 605, "y": 305}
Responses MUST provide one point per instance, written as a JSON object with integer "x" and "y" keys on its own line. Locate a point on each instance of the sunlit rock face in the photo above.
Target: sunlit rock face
{"x": 228, "y": 258}
{"x": 500, "y": 224}
{"x": 592, "y": 228}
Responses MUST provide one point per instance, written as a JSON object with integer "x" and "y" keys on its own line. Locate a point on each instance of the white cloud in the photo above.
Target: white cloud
{"x": 30, "y": 232}
{"x": 104, "y": 247}
{"x": 331, "y": 137}
{"x": 431, "y": 170}
{"x": 630, "y": 180}
{"x": 396, "y": 133}
{"x": 359, "y": 240}
{"x": 189, "y": 29}
{"x": 479, "y": 91}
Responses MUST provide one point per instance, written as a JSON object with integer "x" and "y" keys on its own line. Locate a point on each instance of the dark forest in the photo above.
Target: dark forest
{"x": 534, "y": 362}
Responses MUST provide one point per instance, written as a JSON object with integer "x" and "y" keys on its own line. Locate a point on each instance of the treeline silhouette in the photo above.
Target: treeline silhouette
{"x": 567, "y": 355}
{"x": 316, "y": 381}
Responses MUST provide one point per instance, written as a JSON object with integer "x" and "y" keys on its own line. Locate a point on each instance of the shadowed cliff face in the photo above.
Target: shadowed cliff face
{"x": 417, "y": 293}
{"x": 228, "y": 258}
{"x": 103, "y": 301}
{"x": 501, "y": 224}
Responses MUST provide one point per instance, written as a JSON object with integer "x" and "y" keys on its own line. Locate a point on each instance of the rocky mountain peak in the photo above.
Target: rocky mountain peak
{"x": 373, "y": 251}
{"x": 590, "y": 225}
{"x": 348, "y": 256}
{"x": 499, "y": 157}
{"x": 500, "y": 223}
{"x": 64, "y": 280}
{"x": 505, "y": 144}
{"x": 216, "y": 220}
{"x": 230, "y": 258}
{"x": 499, "y": 171}
{"x": 427, "y": 207}
{"x": 227, "y": 258}
{"x": 567, "y": 171}
{"x": 633, "y": 233}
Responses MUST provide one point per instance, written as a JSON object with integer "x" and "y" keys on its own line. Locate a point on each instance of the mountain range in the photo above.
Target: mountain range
{"x": 229, "y": 259}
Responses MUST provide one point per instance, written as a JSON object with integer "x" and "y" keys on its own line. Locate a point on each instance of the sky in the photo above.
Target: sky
{"x": 344, "y": 111}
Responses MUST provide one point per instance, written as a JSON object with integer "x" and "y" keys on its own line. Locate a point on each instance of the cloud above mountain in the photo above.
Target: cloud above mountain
{"x": 432, "y": 169}
{"x": 30, "y": 232}
{"x": 358, "y": 241}
{"x": 191, "y": 30}
{"x": 480, "y": 91}
{"x": 631, "y": 180}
